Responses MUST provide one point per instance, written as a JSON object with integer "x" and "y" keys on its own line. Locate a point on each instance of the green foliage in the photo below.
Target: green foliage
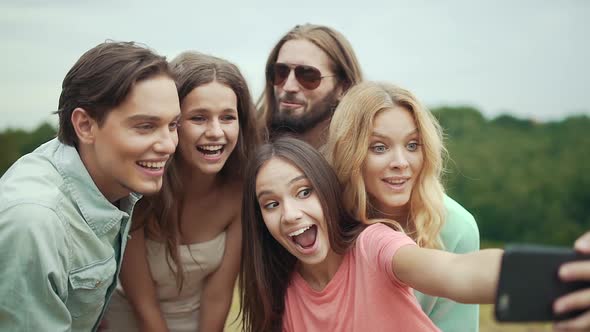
{"x": 522, "y": 180}
{"x": 15, "y": 143}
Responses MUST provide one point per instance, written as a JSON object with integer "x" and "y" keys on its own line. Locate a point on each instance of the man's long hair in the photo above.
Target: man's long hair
{"x": 345, "y": 65}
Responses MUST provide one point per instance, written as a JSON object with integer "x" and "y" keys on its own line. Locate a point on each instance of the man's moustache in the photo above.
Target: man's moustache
{"x": 291, "y": 100}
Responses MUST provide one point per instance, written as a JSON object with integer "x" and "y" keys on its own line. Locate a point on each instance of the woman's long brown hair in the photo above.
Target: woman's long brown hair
{"x": 160, "y": 213}
{"x": 267, "y": 267}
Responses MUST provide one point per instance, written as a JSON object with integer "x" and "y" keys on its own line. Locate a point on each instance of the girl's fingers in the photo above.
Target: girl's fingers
{"x": 580, "y": 323}
{"x": 582, "y": 244}
{"x": 573, "y": 301}
{"x": 575, "y": 271}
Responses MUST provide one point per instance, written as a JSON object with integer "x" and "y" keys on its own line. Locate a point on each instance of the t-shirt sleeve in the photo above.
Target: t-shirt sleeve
{"x": 378, "y": 244}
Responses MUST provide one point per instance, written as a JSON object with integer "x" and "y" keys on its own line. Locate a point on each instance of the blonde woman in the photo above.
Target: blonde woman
{"x": 387, "y": 151}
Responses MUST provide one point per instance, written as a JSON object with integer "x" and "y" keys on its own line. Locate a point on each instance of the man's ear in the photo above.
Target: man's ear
{"x": 342, "y": 88}
{"x": 84, "y": 125}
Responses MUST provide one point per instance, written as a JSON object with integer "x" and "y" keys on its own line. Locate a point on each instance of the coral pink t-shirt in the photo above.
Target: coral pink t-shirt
{"x": 364, "y": 294}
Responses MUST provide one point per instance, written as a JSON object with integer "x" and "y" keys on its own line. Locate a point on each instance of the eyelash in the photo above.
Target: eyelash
{"x": 375, "y": 147}
{"x": 267, "y": 206}
{"x": 308, "y": 192}
{"x": 416, "y": 144}
{"x": 200, "y": 118}
{"x": 174, "y": 125}
{"x": 145, "y": 126}
{"x": 229, "y": 118}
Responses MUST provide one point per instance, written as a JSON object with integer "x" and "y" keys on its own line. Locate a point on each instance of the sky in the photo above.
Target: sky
{"x": 528, "y": 58}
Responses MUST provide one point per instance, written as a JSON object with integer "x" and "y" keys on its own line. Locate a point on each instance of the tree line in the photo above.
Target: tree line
{"x": 524, "y": 181}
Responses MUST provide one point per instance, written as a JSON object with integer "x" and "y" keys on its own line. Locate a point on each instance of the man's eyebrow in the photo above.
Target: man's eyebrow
{"x": 149, "y": 118}
{"x": 143, "y": 117}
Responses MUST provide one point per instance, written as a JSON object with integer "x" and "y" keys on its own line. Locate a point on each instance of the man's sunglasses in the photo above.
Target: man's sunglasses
{"x": 308, "y": 77}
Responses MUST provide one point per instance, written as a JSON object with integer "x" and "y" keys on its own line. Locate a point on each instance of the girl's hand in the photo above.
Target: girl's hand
{"x": 577, "y": 300}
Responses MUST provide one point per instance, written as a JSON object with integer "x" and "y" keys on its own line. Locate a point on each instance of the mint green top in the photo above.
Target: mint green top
{"x": 459, "y": 235}
{"x": 60, "y": 243}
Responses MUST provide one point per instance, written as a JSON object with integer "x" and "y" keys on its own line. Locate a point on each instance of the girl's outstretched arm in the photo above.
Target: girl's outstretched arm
{"x": 465, "y": 278}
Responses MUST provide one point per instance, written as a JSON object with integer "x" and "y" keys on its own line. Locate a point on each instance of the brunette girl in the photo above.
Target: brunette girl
{"x": 182, "y": 259}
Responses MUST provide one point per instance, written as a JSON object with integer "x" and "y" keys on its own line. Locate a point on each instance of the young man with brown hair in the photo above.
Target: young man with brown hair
{"x": 65, "y": 207}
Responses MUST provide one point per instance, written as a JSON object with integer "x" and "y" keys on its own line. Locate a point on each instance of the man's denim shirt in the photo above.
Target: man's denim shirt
{"x": 61, "y": 243}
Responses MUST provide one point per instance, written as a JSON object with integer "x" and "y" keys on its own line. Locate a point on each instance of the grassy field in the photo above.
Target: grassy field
{"x": 233, "y": 325}
{"x": 487, "y": 323}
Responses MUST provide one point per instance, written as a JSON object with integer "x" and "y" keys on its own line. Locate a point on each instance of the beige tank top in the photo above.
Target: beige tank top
{"x": 198, "y": 261}
{"x": 181, "y": 310}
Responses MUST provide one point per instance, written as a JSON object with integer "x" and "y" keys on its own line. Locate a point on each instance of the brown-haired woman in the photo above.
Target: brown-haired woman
{"x": 182, "y": 259}
{"x": 309, "y": 266}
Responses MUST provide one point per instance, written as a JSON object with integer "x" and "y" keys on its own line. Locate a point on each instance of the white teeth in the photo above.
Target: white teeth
{"x": 211, "y": 147}
{"x": 300, "y": 231}
{"x": 151, "y": 164}
{"x": 400, "y": 181}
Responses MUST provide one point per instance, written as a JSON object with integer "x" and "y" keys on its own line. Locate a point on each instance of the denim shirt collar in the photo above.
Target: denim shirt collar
{"x": 100, "y": 214}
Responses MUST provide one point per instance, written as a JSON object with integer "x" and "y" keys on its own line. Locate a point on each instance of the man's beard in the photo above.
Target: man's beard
{"x": 285, "y": 122}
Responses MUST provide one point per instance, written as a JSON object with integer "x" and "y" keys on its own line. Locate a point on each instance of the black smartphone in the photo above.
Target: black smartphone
{"x": 529, "y": 283}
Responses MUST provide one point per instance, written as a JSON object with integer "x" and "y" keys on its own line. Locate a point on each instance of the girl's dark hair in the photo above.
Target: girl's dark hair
{"x": 267, "y": 267}
{"x": 160, "y": 213}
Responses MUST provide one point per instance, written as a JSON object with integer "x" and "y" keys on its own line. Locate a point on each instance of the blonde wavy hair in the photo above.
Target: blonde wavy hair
{"x": 347, "y": 149}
